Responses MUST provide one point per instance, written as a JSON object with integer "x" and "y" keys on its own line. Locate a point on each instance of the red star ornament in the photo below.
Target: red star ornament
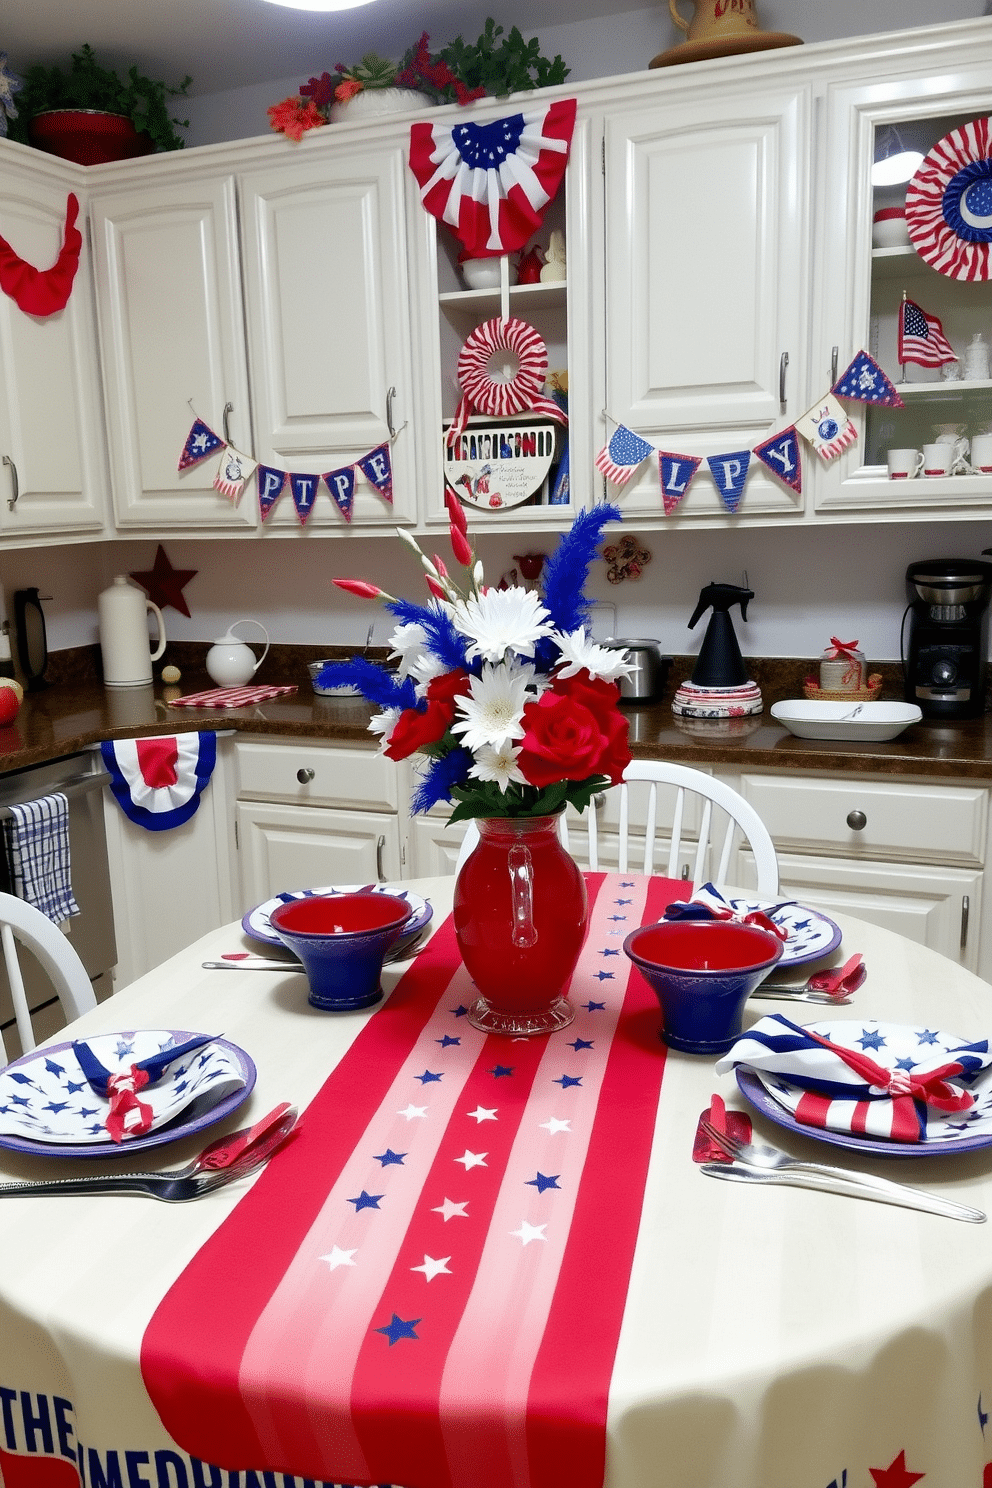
{"x": 896, "y": 1475}
{"x": 165, "y": 584}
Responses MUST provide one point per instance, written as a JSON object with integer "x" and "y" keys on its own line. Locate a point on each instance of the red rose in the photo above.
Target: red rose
{"x": 564, "y": 739}
{"x": 416, "y": 727}
{"x": 601, "y": 698}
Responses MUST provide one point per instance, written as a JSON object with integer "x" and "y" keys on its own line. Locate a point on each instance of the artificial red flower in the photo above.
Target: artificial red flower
{"x": 600, "y": 698}
{"x": 417, "y": 727}
{"x": 320, "y": 90}
{"x": 456, "y": 512}
{"x": 293, "y": 117}
{"x": 460, "y": 546}
{"x": 360, "y": 587}
{"x": 347, "y": 89}
{"x": 566, "y": 740}
{"x": 435, "y": 588}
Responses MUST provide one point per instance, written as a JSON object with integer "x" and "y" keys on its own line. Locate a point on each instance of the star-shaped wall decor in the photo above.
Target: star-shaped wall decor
{"x": 164, "y": 584}
{"x": 896, "y": 1475}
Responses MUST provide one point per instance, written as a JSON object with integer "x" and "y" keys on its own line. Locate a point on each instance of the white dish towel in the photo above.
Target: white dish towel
{"x": 38, "y": 848}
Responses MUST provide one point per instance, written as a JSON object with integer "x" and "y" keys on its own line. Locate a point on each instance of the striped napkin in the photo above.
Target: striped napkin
{"x": 229, "y": 697}
{"x": 38, "y": 850}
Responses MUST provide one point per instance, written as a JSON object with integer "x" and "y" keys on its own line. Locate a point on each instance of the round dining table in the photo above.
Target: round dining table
{"x": 765, "y": 1336}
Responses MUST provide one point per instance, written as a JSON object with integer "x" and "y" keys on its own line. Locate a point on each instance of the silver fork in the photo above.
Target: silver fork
{"x": 753, "y": 1161}
{"x": 164, "y": 1186}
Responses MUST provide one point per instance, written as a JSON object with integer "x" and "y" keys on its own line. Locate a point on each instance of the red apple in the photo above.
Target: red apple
{"x": 11, "y": 693}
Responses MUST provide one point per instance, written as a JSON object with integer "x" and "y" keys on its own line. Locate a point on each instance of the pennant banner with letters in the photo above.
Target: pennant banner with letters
{"x": 676, "y": 472}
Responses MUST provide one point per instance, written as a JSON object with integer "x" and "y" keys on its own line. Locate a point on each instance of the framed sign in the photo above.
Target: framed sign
{"x": 495, "y": 463}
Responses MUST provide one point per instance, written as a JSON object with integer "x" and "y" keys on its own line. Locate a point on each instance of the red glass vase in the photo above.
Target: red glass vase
{"x": 520, "y": 915}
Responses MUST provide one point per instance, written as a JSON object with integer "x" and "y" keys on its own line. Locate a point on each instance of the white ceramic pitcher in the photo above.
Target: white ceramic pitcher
{"x": 124, "y": 641}
{"x": 231, "y": 661}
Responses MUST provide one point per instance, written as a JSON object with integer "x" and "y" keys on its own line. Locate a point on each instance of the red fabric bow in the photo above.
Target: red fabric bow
{"x": 122, "y": 1090}
{"x": 838, "y": 649}
{"x": 43, "y": 291}
{"x": 904, "y": 1087}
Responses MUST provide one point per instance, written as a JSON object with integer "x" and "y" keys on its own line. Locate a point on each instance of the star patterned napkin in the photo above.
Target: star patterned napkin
{"x": 46, "y": 1097}
{"x": 868, "y": 1078}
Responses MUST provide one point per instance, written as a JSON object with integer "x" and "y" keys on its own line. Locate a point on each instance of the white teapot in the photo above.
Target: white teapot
{"x": 231, "y": 661}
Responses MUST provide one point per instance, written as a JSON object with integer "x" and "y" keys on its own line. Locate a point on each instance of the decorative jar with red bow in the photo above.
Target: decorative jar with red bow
{"x": 842, "y": 667}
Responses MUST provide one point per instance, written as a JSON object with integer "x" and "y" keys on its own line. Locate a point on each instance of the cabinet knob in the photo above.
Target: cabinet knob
{"x": 304, "y": 776}
{"x": 857, "y": 821}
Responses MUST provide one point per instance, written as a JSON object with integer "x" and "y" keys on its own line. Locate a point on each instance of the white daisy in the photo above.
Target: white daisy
{"x": 492, "y": 714}
{"x": 408, "y": 642}
{"x": 499, "y": 765}
{"x": 579, "y": 650}
{"x": 502, "y": 620}
{"x": 383, "y": 724}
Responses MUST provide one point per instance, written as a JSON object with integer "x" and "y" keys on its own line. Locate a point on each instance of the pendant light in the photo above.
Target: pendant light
{"x": 895, "y": 160}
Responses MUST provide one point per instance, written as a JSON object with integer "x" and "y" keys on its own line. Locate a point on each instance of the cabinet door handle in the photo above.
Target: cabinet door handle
{"x": 304, "y": 775}
{"x": 228, "y": 410}
{"x": 391, "y": 394}
{"x": 379, "y": 850}
{"x": 965, "y": 913}
{"x": 857, "y": 821}
{"x": 834, "y": 363}
{"x": 15, "y": 489}
{"x": 783, "y": 367}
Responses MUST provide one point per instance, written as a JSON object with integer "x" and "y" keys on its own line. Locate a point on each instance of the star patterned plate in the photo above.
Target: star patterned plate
{"x": 48, "y": 1108}
{"x": 887, "y": 1043}
{"x": 811, "y": 934}
{"x": 256, "y": 921}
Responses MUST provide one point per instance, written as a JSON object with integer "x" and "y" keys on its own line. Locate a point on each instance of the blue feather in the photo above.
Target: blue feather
{"x": 566, "y": 571}
{"x": 374, "y": 683}
{"x": 436, "y": 783}
{"x": 443, "y": 640}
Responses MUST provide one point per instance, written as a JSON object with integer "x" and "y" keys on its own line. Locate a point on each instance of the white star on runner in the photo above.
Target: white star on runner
{"x": 528, "y": 1232}
{"x": 433, "y": 1267}
{"x": 473, "y": 1159}
{"x": 481, "y": 1113}
{"x": 450, "y": 1210}
{"x": 412, "y": 1111}
{"x": 339, "y": 1257}
{"x": 554, "y": 1125}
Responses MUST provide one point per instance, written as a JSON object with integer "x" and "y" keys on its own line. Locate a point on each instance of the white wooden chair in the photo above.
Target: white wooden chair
{"x": 21, "y": 923}
{"x": 723, "y": 813}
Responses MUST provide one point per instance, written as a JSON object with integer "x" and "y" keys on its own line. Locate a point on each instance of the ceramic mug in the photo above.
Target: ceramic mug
{"x": 938, "y": 459}
{"x": 981, "y": 454}
{"x": 716, "y": 18}
{"x": 904, "y": 464}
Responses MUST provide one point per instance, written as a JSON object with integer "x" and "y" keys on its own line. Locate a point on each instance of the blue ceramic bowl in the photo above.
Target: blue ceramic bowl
{"x": 342, "y": 940}
{"x": 702, "y": 972}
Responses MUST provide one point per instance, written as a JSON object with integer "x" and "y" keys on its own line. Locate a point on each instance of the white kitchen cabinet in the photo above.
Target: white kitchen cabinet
{"x": 311, "y": 814}
{"x": 173, "y": 345}
{"x": 707, "y": 279}
{"x": 907, "y": 855}
{"x": 331, "y": 304}
{"x": 53, "y": 476}
{"x": 928, "y": 86}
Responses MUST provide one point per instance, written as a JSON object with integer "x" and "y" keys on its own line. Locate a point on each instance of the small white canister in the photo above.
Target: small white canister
{"x": 842, "y": 667}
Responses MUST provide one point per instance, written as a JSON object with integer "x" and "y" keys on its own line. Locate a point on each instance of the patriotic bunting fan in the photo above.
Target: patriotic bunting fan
{"x": 949, "y": 203}
{"x": 490, "y": 183}
{"x": 158, "y": 782}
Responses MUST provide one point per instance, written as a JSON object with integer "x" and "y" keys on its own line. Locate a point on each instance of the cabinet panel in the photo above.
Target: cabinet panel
{"x": 355, "y": 779}
{"x": 51, "y": 434}
{"x": 172, "y": 331}
{"x": 936, "y": 907}
{"x": 706, "y": 272}
{"x": 303, "y": 847}
{"x": 328, "y": 294}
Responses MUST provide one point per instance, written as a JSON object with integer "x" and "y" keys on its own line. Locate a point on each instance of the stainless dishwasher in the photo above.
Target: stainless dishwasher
{"x": 81, "y": 778}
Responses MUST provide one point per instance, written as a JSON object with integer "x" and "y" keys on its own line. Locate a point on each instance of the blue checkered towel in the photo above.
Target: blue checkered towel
{"x": 38, "y": 846}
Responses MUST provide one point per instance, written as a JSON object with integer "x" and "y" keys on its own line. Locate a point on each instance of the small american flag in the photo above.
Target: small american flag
{"x": 620, "y": 458}
{"x": 922, "y": 339}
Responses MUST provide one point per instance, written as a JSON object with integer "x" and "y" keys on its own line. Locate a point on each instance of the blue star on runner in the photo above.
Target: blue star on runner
{"x": 427, "y": 1077}
{"x": 389, "y": 1157}
{"x": 594, "y": 1007}
{"x": 366, "y": 1201}
{"x": 609, "y": 951}
{"x": 619, "y": 919}
{"x": 580, "y": 1043}
{"x": 604, "y": 976}
{"x": 398, "y": 1328}
{"x": 566, "y": 1080}
{"x": 500, "y": 1070}
{"x": 622, "y": 902}
{"x": 447, "y": 1041}
{"x": 543, "y": 1181}
{"x": 461, "y": 1011}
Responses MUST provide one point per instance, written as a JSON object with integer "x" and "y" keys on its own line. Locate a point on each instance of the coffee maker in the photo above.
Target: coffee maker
{"x": 944, "y": 662}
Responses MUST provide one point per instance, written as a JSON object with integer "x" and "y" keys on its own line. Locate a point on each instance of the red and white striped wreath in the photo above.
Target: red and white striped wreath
{"x": 497, "y": 394}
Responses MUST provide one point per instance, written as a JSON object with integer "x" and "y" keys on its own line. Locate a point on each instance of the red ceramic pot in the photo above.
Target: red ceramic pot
{"x": 88, "y": 136}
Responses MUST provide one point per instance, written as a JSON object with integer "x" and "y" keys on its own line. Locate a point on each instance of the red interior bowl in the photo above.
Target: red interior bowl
{"x": 704, "y": 945}
{"x": 340, "y": 914}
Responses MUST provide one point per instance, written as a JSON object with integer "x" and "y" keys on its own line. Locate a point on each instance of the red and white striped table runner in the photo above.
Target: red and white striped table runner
{"x": 427, "y": 1285}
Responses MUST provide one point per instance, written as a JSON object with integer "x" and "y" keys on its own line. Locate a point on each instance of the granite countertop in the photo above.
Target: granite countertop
{"x": 76, "y": 711}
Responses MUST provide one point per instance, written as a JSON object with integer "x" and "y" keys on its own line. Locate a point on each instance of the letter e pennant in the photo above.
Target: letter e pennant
{"x": 781, "y": 455}
{"x": 378, "y": 471}
{"x": 676, "y": 473}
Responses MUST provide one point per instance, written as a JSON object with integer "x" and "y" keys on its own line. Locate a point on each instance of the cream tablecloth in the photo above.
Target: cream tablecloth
{"x": 773, "y": 1338}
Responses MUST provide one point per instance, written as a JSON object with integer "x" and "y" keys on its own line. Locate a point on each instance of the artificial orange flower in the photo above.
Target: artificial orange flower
{"x": 293, "y": 117}
{"x": 347, "y": 89}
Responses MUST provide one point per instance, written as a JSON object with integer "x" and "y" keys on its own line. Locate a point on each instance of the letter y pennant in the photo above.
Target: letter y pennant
{"x": 781, "y": 455}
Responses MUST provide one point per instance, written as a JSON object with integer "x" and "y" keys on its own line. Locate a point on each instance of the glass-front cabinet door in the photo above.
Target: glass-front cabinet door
{"x": 874, "y": 281}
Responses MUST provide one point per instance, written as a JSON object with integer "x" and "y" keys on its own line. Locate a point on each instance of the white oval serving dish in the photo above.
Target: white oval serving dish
{"x": 809, "y": 719}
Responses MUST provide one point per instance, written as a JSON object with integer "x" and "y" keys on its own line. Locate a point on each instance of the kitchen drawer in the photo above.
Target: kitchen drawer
{"x": 309, "y": 774}
{"x": 872, "y": 818}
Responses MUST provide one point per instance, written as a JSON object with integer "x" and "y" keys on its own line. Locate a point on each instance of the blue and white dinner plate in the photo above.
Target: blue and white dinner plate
{"x": 256, "y": 922}
{"x": 49, "y": 1109}
{"x": 811, "y": 934}
{"x": 968, "y": 1133}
